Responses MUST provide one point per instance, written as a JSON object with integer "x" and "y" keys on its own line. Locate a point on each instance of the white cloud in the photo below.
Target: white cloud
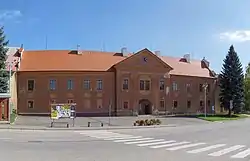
{"x": 236, "y": 36}
{"x": 10, "y": 14}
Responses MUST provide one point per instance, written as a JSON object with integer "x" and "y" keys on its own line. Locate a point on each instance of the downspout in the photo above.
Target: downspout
{"x": 115, "y": 92}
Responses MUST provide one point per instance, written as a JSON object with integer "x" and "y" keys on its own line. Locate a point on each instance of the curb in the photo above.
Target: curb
{"x": 90, "y": 128}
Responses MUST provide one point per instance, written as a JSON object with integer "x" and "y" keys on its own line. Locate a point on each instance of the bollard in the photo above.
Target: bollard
{"x": 88, "y": 124}
{"x": 101, "y": 124}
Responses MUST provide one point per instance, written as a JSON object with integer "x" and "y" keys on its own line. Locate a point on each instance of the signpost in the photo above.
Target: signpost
{"x": 110, "y": 109}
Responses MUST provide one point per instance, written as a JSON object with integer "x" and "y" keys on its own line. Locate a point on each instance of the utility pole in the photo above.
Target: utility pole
{"x": 205, "y": 98}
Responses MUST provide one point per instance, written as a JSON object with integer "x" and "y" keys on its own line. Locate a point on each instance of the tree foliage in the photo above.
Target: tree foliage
{"x": 4, "y": 76}
{"x": 247, "y": 89}
{"x": 232, "y": 82}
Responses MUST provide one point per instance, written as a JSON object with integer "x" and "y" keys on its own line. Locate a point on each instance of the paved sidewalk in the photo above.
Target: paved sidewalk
{"x": 19, "y": 127}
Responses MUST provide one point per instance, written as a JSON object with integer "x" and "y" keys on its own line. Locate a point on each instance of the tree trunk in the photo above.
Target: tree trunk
{"x": 229, "y": 112}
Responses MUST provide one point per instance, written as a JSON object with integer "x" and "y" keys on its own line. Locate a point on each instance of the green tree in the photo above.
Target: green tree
{"x": 4, "y": 76}
{"x": 247, "y": 89}
{"x": 232, "y": 82}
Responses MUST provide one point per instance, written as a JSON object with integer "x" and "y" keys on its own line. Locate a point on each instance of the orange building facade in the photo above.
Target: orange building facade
{"x": 108, "y": 82}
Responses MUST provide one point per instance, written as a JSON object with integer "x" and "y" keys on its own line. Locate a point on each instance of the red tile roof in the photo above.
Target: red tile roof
{"x": 61, "y": 60}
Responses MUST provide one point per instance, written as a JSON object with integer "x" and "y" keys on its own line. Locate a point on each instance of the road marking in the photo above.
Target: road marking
{"x": 227, "y": 150}
{"x": 168, "y": 145}
{"x": 206, "y": 148}
{"x": 185, "y": 146}
{"x": 144, "y": 141}
{"x": 123, "y": 138}
{"x": 112, "y": 136}
{"x": 242, "y": 154}
{"x": 157, "y": 143}
{"x": 118, "y": 141}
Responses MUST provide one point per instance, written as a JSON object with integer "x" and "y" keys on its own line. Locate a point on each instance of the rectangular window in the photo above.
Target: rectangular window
{"x": 208, "y": 103}
{"x": 175, "y": 86}
{"x": 201, "y": 103}
{"x": 70, "y": 101}
{"x": 52, "y": 84}
{"x": 188, "y": 104}
{"x": 147, "y": 85}
{"x": 175, "y": 104}
{"x": 162, "y": 85}
{"x": 208, "y": 87}
{"x": 125, "y": 84}
{"x": 99, "y": 85}
{"x": 201, "y": 87}
{"x": 142, "y": 85}
{"x": 31, "y": 85}
{"x": 30, "y": 104}
{"x": 188, "y": 87}
{"x": 162, "y": 104}
{"x": 125, "y": 105}
{"x": 70, "y": 84}
{"x": 86, "y": 84}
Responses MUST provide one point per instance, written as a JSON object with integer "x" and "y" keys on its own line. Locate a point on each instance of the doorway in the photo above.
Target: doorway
{"x": 145, "y": 107}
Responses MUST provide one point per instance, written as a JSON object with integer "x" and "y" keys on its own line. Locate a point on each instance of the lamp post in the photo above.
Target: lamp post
{"x": 167, "y": 76}
{"x": 205, "y": 98}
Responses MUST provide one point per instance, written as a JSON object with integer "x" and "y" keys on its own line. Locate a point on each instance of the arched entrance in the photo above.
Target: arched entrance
{"x": 145, "y": 107}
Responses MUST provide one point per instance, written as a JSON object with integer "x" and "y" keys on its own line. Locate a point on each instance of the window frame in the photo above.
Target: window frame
{"x": 123, "y": 105}
{"x": 162, "y": 100}
{"x": 201, "y": 88}
{"x": 51, "y": 81}
{"x": 188, "y": 87}
{"x": 189, "y": 103}
{"x": 86, "y": 84}
{"x": 125, "y": 84}
{"x": 145, "y": 85}
{"x": 33, "y": 104}
{"x": 175, "y": 101}
{"x": 30, "y": 90}
{"x": 175, "y": 86}
{"x": 70, "y": 84}
{"x": 99, "y": 85}
{"x": 162, "y": 85}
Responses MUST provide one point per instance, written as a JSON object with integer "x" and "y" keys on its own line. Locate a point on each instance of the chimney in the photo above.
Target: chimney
{"x": 187, "y": 57}
{"x": 124, "y": 51}
{"x": 204, "y": 63}
{"x": 78, "y": 49}
{"x": 157, "y": 53}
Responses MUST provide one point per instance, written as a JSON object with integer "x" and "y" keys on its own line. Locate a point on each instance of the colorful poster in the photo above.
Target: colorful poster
{"x": 60, "y": 111}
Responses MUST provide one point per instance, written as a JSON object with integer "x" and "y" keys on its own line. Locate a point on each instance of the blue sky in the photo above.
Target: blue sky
{"x": 175, "y": 27}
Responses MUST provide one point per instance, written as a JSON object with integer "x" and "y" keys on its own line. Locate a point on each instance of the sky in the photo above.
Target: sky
{"x": 203, "y": 28}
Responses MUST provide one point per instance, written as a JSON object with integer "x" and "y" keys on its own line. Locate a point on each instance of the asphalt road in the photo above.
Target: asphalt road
{"x": 206, "y": 142}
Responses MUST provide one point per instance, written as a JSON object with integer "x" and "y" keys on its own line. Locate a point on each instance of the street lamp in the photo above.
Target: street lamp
{"x": 205, "y": 98}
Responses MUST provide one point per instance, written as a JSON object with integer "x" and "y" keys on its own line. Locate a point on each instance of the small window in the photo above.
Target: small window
{"x": 52, "y": 84}
{"x": 30, "y": 104}
{"x": 141, "y": 85}
{"x": 31, "y": 85}
{"x": 162, "y": 85}
{"x": 70, "y": 84}
{"x": 125, "y": 84}
{"x": 201, "y": 103}
{"x": 188, "y": 87}
{"x": 175, "y": 104}
{"x": 175, "y": 86}
{"x": 99, "y": 85}
{"x": 70, "y": 101}
{"x": 147, "y": 85}
{"x": 208, "y": 87}
{"x": 208, "y": 103}
{"x": 162, "y": 104}
{"x": 86, "y": 84}
{"x": 188, "y": 104}
{"x": 201, "y": 87}
{"x": 125, "y": 105}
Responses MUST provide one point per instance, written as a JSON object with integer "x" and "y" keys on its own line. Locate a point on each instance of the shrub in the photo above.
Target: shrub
{"x": 147, "y": 122}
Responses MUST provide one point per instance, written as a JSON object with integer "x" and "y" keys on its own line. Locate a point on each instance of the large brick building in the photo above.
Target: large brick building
{"x": 142, "y": 82}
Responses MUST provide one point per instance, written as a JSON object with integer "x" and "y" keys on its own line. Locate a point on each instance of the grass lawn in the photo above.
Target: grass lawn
{"x": 12, "y": 117}
{"x": 222, "y": 117}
